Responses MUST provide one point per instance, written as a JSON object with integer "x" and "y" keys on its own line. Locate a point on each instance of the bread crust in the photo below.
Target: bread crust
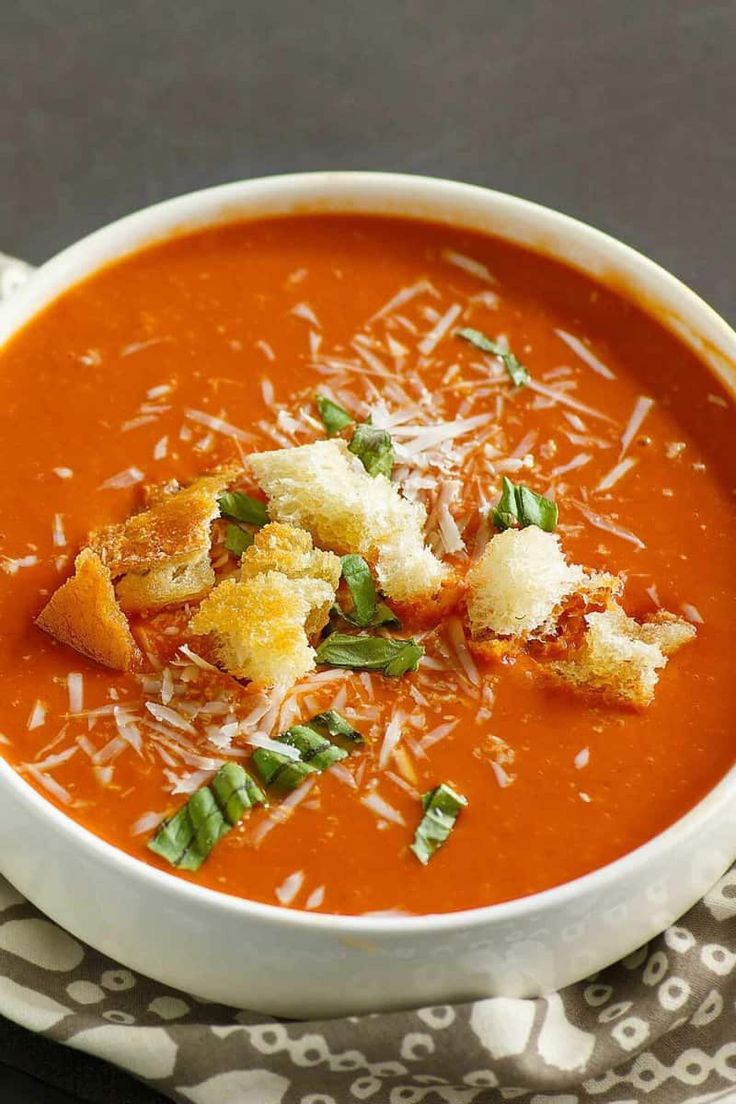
{"x": 160, "y": 556}
{"x": 175, "y": 528}
{"x": 84, "y": 613}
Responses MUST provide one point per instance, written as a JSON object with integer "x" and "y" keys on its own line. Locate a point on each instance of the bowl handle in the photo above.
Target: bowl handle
{"x": 13, "y": 273}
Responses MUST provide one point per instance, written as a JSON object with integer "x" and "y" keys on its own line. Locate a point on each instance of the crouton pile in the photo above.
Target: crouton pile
{"x": 263, "y": 620}
{"x": 159, "y": 557}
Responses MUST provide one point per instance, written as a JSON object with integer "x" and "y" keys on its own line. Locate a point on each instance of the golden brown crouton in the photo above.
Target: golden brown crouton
{"x": 287, "y": 549}
{"x": 84, "y": 613}
{"x": 175, "y": 528}
{"x": 170, "y": 584}
{"x": 324, "y": 488}
{"x": 619, "y": 658}
{"x": 259, "y": 625}
{"x": 161, "y": 555}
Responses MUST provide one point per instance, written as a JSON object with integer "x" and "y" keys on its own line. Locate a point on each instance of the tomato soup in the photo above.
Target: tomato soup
{"x": 198, "y": 351}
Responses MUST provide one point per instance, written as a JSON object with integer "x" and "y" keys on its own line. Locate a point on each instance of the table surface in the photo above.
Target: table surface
{"x": 621, "y": 114}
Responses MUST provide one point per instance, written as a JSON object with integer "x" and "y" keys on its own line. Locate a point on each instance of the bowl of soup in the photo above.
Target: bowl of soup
{"x": 366, "y": 592}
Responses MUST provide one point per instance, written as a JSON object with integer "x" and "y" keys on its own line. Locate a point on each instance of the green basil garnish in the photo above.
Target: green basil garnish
{"x": 442, "y": 807}
{"x": 367, "y": 611}
{"x": 237, "y": 540}
{"x": 243, "y": 507}
{"x": 370, "y": 653}
{"x": 518, "y": 373}
{"x": 277, "y": 770}
{"x": 357, "y": 574}
{"x": 334, "y": 418}
{"x": 186, "y": 838}
{"x": 316, "y": 752}
{"x": 519, "y": 506}
{"x": 384, "y": 616}
{"x": 374, "y": 448}
{"x": 335, "y": 725}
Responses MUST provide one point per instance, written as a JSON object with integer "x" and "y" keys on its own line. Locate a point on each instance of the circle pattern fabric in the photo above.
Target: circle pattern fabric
{"x": 656, "y": 1027}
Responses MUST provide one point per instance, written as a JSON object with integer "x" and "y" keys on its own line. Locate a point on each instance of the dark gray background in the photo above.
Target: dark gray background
{"x": 621, "y": 112}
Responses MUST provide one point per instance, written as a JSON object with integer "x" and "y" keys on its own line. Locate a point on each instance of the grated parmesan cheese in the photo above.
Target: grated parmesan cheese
{"x": 468, "y": 264}
{"x": 289, "y": 888}
{"x": 75, "y": 690}
{"x": 585, "y": 354}
{"x": 38, "y": 716}
{"x": 119, "y": 482}
{"x": 382, "y": 809}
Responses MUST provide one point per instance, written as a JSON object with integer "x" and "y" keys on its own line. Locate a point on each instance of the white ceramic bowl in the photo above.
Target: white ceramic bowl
{"x": 301, "y": 964}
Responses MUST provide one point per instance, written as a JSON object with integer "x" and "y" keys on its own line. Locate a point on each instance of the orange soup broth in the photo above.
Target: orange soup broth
{"x": 244, "y": 323}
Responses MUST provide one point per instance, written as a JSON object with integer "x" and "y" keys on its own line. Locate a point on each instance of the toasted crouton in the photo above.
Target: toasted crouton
{"x": 258, "y": 625}
{"x": 518, "y": 582}
{"x": 619, "y": 658}
{"x": 170, "y": 584}
{"x": 284, "y": 548}
{"x": 84, "y": 613}
{"x": 668, "y": 631}
{"x": 324, "y": 488}
{"x": 161, "y": 555}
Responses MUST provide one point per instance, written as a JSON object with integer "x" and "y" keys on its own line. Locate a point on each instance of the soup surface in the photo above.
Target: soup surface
{"x": 199, "y": 350}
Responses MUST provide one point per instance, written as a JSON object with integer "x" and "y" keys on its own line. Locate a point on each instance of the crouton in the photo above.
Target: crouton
{"x": 668, "y": 631}
{"x": 258, "y": 624}
{"x": 84, "y": 614}
{"x": 619, "y": 658}
{"x": 518, "y": 583}
{"x": 176, "y": 527}
{"x": 161, "y": 556}
{"x": 324, "y": 488}
{"x": 284, "y": 548}
{"x": 430, "y": 610}
{"x": 171, "y": 583}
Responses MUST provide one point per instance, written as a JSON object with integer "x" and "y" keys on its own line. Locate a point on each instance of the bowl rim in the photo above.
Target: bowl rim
{"x": 171, "y": 218}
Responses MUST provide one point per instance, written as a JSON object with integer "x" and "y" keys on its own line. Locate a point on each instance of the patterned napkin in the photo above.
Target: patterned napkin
{"x": 659, "y": 1026}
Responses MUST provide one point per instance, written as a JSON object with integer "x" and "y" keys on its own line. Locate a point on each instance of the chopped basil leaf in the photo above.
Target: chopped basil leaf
{"x": 334, "y": 418}
{"x": 312, "y": 746}
{"x": 336, "y": 725}
{"x": 316, "y": 752}
{"x": 384, "y": 616}
{"x": 237, "y": 539}
{"x": 518, "y": 373}
{"x": 367, "y": 611}
{"x": 235, "y": 791}
{"x": 406, "y": 659}
{"x": 186, "y": 838}
{"x": 519, "y": 506}
{"x": 243, "y": 507}
{"x": 441, "y": 806}
{"x": 357, "y": 574}
{"x": 277, "y": 770}
{"x": 374, "y": 448}
{"x": 371, "y": 653}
